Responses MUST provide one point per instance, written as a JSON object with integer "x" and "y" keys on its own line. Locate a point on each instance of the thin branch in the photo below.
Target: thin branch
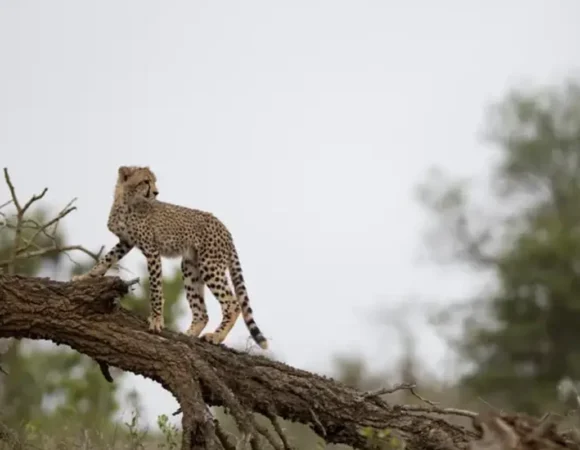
{"x": 67, "y": 206}
{"x": 36, "y": 226}
{"x": 44, "y": 227}
{"x": 223, "y": 436}
{"x": 383, "y": 391}
{"x": 435, "y": 410}
{"x": 242, "y": 443}
{"x": 19, "y": 214}
{"x": 244, "y": 418}
{"x": 276, "y": 423}
{"x": 265, "y": 433}
{"x": 12, "y": 191}
{"x": 415, "y": 394}
{"x": 33, "y": 199}
{"x": 44, "y": 251}
{"x": 105, "y": 370}
{"x": 95, "y": 256}
{"x": 318, "y": 423}
{"x": 132, "y": 282}
{"x": 432, "y": 408}
{"x": 411, "y": 387}
{"x": 3, "y": 205}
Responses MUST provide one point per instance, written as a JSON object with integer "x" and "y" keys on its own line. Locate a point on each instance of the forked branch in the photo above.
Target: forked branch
{"x": 24, "y": 248}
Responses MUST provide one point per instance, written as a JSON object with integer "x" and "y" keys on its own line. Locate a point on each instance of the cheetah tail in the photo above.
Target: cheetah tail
{"x": 242, "y": 295}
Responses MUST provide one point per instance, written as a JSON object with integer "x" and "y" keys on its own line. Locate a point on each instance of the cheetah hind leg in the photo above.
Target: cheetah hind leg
{"x": 231, "y": 309}
{"x": 194, "y": 292}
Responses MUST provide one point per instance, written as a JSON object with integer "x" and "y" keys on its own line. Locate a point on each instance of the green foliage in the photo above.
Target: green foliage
{"x": 46, "y": 386}
{"x": 170, "y": 433}
{"x": 172, "y": 291}
{"x": 520, "y": 337}
{"x": 381, "y": 439}
{"x": 136, "y": 437}
{"x": 128, "y": 438}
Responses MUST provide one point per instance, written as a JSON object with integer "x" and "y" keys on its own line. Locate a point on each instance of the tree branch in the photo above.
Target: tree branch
{"x": 85, "y": 315}
{"x": 46, "y": 250}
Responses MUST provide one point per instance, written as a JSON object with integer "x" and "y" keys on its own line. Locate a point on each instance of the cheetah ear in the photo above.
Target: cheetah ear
{"x": 124, "y": 173}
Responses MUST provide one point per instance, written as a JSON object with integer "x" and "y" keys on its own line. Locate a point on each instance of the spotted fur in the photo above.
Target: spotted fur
{"x": 207, "y": 249}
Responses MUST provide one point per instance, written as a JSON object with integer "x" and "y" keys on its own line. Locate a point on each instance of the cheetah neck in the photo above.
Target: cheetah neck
{"x": 120, "y": 203}
{"x": 119, "y": 211}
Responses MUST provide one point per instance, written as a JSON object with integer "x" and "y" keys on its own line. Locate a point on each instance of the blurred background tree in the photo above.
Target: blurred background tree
{"x": 517, "y": 339}
{"x": 519, "y": 335}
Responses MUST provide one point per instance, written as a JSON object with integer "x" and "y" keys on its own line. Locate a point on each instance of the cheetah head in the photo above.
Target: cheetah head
{"x": 137, "y": 182}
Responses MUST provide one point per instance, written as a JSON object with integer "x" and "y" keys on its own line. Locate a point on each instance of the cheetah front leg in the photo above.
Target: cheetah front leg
{"x": 156, "y": 322}
{"x": 194, "y": 291}
{"x": 115, "y": 254}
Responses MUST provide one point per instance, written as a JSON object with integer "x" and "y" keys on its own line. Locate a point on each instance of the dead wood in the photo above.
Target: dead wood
{"x": 85, "y": 316}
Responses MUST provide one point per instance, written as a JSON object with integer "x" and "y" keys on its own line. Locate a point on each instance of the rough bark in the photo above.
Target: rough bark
{"x": 85, "y": 316}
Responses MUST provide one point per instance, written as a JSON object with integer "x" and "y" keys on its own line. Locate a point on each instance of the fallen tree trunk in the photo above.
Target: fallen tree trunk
{"x": 85, "y": 316}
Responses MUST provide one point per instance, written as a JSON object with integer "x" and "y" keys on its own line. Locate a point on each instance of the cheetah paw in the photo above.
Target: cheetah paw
{"x": 84, "y": 276}
{"x": 156, "y": 323}
{"x": 212, "y": 338}
{"x": 195, "y": 329}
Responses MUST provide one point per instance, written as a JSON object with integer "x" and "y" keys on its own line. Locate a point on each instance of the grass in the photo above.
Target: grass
{"x": 125, "y": 436}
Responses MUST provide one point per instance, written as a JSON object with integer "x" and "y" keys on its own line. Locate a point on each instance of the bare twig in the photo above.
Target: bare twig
{"x": 383, "y": 391}
{"x": 95, "y": 256}
{"x": 44, "y": 251}
{"x": 432, "y": 408}
{"x": 32, "y": 224}
{"x": 414, "y": 393}
{"x": 105, "y": 370}
{"x": 318, "y": 423}
{"x": 276, "y": 423}
{"x": 411, "y": 387}
{"x": 265, "y": 433}
{"x": 12, "y": 191}
{"x": 435, "y": 410}
{"x": 43, "y": 228}
{"x": 26, "y": 248}
{"x": 33, "y": 199}
{"x": 19, "y": 214}
{"x": 223, "y": 436}
{"x": 132, "y": 282}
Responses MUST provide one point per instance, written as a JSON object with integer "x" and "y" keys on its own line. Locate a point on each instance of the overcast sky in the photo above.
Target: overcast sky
{"x": 303, "y": 125}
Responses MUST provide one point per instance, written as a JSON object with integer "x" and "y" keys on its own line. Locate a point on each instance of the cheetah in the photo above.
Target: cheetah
{"x": 161, "y": 229}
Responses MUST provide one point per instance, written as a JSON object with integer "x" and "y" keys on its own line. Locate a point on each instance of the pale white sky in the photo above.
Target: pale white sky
{"x": 303, "y": 125}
